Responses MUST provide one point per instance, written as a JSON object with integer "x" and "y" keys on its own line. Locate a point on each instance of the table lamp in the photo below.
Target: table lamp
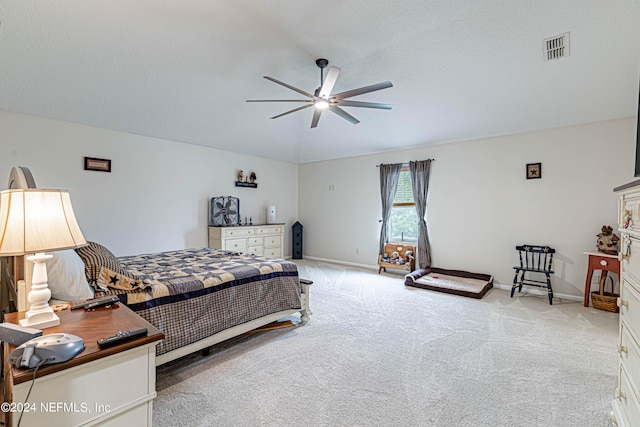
{"x": 35, "y": 221}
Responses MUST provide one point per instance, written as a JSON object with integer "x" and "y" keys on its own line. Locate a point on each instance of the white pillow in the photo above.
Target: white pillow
{"x": 66, "y": 277}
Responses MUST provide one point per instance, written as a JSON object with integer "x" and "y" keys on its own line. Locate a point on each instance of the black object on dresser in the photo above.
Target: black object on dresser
{"x": 296, "y": 233}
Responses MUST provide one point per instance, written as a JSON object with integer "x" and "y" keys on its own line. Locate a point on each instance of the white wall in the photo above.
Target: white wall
{"x": 156, "y": 197}
{"x": 480, "y": 204}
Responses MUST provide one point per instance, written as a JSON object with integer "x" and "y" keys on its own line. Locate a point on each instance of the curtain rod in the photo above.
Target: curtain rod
{"x": 407, "y": 164}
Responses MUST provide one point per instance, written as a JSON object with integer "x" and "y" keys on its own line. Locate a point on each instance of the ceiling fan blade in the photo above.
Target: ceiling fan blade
{"x": 279, "y": 100}
{"x": 329, "y": 82}
{"x": 316, "y": 117}
{"x": 362, "y": 90}
{"x": 346, "y": 103}
{"x": 300, "y": 91}
{"x": 292, "y": 111}
{"x": 339, "y": 111}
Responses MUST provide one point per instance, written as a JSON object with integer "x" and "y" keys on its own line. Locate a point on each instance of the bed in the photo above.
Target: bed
{"x": 457, "y": 282}
{"x": 196, "y": 297}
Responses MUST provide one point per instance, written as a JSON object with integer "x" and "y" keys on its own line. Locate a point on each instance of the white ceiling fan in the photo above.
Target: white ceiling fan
{"x": 322, "y": 99}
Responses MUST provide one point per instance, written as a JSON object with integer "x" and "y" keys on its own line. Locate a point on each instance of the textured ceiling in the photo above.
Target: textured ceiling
{"x": 182, "y": 70}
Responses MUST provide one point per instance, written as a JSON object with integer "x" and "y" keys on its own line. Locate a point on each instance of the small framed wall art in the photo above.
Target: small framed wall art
{"x": 100, "y": 165}
{"x": 534, "y": 170}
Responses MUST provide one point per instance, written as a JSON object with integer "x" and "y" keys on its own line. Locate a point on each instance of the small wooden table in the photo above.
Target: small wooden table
{"x": 606, "y": 264}
{"x": 98, "y": 386}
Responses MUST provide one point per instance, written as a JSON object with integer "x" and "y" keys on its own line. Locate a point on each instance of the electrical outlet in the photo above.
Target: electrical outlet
{"x": 332, "y": 187}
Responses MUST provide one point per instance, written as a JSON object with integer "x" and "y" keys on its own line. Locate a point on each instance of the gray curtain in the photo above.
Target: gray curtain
{"x": 420, "y": 185}
{"x": 389, "y": 175}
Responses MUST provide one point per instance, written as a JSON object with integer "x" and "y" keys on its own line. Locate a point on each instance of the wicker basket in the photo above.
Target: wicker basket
{"x": 602, "y": 300}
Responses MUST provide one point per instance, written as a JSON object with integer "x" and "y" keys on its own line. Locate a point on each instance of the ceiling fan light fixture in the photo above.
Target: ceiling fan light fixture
{"x": 323, "y": 97}
{"x": 321, "y": 104}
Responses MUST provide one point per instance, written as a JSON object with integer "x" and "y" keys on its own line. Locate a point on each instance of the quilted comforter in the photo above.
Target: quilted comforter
{"x": 194, "y": 293}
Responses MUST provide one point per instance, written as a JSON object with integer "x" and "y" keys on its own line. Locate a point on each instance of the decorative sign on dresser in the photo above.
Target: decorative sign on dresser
{"x": 264, "y": 240}
{"x": 626, "y": 403}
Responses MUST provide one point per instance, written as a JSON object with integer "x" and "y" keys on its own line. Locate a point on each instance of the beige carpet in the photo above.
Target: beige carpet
{"x": 377, "y": 353}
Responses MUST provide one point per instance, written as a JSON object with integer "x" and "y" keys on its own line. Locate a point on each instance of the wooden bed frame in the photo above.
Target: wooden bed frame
{"x": 16, "y": 283}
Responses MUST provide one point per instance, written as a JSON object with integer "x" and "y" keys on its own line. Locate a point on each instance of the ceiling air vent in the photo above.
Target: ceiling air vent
{"x": 556, "y": 47}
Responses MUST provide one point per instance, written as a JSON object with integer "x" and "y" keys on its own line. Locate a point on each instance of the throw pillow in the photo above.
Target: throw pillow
{"x": 66, "y": 277}
{"x": 96, "y": 256}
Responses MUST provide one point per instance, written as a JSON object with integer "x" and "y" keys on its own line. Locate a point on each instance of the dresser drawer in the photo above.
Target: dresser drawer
{"x": 272, "y": 242}
{"x": 236, "y": 245}
{"x": 237, "y": 232}
{"x": 255, "y": 241}
{"x": 626, "y": 399}
{"x": 93, "y": 384}
{"x": 629, "y": 307}
{"x": 630, "y": 208}
{"x": 630, "y": 357}
{"x": 255, "y": 250}
{"x": 631, "y": 264}
{"x": 272, "y": 252}
{"x": 276, "y": 229}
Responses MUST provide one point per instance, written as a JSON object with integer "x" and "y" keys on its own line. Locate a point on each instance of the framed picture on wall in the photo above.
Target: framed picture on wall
{"x": 534, "y": 170}
{"x": 93, "y": 164}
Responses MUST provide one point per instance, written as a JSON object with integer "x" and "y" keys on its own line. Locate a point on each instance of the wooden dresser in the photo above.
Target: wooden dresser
{"x": 264, "y": 240}
{"x": 626, "y": 404}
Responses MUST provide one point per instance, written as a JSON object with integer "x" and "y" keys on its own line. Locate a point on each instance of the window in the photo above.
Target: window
{"x": 403, "y": 223}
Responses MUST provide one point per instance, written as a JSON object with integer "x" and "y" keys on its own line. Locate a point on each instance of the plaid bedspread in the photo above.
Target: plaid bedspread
{"x": 195, "y": 293}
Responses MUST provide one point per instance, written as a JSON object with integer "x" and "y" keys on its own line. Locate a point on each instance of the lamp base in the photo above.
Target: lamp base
{"x": 40, "y": 320}
{"x": 40, "y": 314}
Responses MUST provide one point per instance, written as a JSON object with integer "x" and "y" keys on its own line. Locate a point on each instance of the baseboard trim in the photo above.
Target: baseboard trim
{"x": 350, "y": 264}
{"x": 526, "y": 289}
{"x": 530, "y": 290}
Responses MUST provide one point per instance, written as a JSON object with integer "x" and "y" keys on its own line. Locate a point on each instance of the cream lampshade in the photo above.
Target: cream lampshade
{"x": 35, "y": 221}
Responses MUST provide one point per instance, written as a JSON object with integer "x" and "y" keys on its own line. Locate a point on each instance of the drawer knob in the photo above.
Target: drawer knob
{"x": 622, "y": 348}
{"x": 622, "y": 303}
{"x": 603, "y": 263}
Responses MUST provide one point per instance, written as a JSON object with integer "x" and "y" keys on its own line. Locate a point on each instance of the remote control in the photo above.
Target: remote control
{"x": 97, "y": 302}
{"x": 121, "y": 336}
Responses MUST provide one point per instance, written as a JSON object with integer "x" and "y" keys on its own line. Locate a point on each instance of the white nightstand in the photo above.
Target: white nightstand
{"x": 114, "y": 386}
